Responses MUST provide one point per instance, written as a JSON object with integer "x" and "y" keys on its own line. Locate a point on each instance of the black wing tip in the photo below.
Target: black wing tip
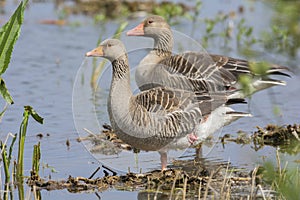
{"x": 280, "y": 70}
{"x": 236, "y": 101}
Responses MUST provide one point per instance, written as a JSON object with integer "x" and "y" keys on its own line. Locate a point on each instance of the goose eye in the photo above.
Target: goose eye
{"x": 150, "y": 21}
{"x": 109, "y": 45}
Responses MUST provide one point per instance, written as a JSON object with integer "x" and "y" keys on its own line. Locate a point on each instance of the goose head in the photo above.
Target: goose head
{"x": 153, "y": 26}
{"x": 111, "y": 49}
{"x": 157, "y": 28}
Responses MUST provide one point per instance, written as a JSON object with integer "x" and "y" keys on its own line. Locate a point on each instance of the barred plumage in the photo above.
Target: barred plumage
{"x": 194, "y": 71}
{"x": 155, "y": 118}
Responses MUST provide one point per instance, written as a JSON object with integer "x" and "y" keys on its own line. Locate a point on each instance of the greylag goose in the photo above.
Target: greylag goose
{"x": 193, "y": 70}
{"x": 159, "y": 117}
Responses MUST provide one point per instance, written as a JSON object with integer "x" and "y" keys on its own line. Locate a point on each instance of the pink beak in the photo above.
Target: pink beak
{"x": 95, "y": 52}
{"x": 137, "y": 31}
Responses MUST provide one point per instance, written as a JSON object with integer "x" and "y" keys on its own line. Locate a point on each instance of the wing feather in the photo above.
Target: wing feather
{"x": 197, "y": 71}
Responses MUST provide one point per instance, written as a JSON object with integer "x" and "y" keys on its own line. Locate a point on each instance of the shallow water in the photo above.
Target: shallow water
{"x": 48, "y": 67}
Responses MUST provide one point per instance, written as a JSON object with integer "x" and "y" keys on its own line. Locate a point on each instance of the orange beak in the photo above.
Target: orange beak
{"x": 137, "y": 31}
{"x": 95, "y": 52}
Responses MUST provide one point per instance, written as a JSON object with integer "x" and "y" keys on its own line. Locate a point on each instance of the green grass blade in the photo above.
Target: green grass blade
{"x": 5, "y": 161}
{"x": 28, "y": 111}
{"x": 9, "y": 33}
{"x": 36, "y": 159}
{"x": 34, "y": 114}
{"x": 4, "y": 93}
{"x": 22, "y": 135}
{"x": 120, "y": 29}
{"x": 2, "y": 112}
{"x": 98, "y": 69}
{"x": 6, "y": 171}
{"x": 11, "y": 147}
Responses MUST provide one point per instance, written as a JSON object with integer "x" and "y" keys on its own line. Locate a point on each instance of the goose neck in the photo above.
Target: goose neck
{"x": 163, "y": 44}
{"x": 120, "y": 69}
{"x": 120, "y": 91}
{"x": 121, "y": 77}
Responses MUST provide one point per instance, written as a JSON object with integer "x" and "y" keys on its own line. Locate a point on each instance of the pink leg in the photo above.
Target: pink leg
{"x": 192, "y": 138}
{"x": 163, "y": 160}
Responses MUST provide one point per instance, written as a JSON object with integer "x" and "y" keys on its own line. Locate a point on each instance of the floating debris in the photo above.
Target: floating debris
{"x": 218, "y": 181}
{"x": 57, "y": 22}
{"x": 242, "y": 138}
{"x": 68, "y": 144}
{"x": 286, "y": 137}
{"x": 40, "y": 135}
{"x": 276, "y": 135}
{"x": 106, "y": 142}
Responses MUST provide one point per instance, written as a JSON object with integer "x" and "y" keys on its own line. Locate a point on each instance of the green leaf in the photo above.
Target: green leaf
{"x": 34, "y": 114}
{"x": 4, "y": 92}
{"x": 260, "y": 68}
{"x": 245, "y": 81}
{"x": 120, "y": 29}
{"x": 9, "y": 33}
{"x": 2, "y": 112}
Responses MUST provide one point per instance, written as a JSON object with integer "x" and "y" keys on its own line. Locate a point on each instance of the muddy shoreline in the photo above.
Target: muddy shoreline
{"x": 187, "y": 179}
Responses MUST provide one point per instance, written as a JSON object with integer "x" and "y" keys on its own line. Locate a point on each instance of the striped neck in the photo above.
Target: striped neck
{"x": 120, "y": 68}
{"x": 163, "y": 43}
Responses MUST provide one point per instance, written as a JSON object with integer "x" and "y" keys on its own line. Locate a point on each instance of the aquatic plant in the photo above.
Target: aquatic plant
{"x": 283, "y": 37}
{"x": 284, "y": 180}
{"x": 97, "y": 69}
{"x": 6, "y": 159}
{"x": 7, "y": 153}
{"x": 169, "y": 11}
{"x": 110, "y": 9}
{"x": 9, "y": 33}
{"x": 36, "y": 156}
{"x": 28, "y": 111}
{"x": 210, "y": 26}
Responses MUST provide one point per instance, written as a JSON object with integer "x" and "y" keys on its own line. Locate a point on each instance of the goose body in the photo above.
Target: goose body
{"x": 194, "y": 70}
{"x": 157, "y": 117}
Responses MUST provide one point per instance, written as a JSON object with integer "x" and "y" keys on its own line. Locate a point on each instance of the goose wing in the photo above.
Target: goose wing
{"x": 209, "y": 72}
{"x": 198, "y": 70}
{"x": 168, "y": 113}
{"x": 166, "y": 100}
{"x": 240, "y": 66}
{"x": 172, "y": 112}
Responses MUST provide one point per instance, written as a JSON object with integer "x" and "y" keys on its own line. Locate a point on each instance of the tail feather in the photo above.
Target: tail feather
{"x": 279, "y": 70}
{"x": 238, "y": 114}
{"x": 232, "y": 116}
{"x": 269, "y": 82}
{"x": 275, "y": 72}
